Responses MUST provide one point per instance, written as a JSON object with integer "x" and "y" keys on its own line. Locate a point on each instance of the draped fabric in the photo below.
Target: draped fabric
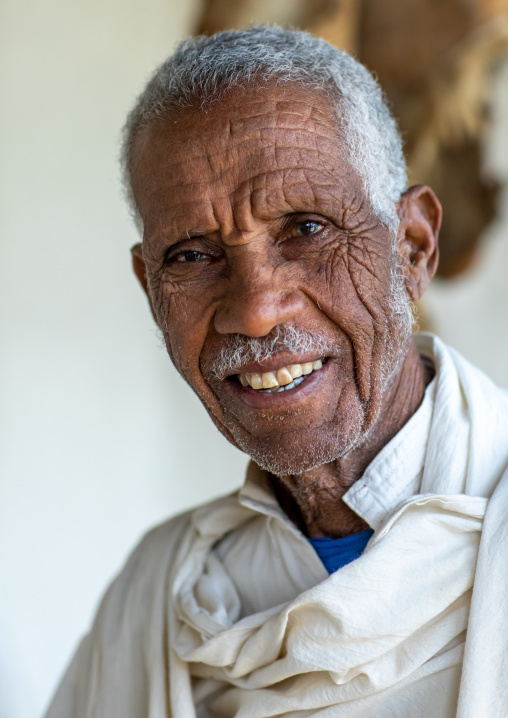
{"x": 227, "y": 610}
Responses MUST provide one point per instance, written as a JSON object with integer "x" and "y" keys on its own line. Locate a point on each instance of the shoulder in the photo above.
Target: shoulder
{"x": 143, "y": 579}
{"x": 119, "y": 664}
{"x": 469, "y": 433}
{"x": 480, "y": 393}
{"x": 487, "y": 403}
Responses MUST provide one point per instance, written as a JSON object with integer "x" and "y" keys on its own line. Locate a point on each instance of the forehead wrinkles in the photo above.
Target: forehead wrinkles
{"x": 260, "y": 118}
{"x": 259, "y": 161}
{"x": 290, "y": 169}
{"x": 294, "y": 189}
{"x": 274, "y": 167}
{"x": 279, "y": 138}
{"x": 210, "y": 157}
{"x": 238, "y": 131}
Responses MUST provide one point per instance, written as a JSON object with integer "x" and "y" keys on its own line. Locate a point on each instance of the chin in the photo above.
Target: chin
{"x": 282, "y": 457}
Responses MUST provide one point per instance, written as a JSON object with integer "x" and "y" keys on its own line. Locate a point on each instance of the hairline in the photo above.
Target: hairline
{"x": 202, "y": 70}
{"x": 206, "y": 105}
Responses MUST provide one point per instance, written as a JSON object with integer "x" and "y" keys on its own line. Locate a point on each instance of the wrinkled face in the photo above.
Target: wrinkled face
{"x": 255, "y": 222}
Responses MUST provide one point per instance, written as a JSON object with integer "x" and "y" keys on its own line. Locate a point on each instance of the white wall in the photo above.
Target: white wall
{"x": 99, "y": 439}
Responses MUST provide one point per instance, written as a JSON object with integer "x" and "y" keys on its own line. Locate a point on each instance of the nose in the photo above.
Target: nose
{"x": 257, "y": 298}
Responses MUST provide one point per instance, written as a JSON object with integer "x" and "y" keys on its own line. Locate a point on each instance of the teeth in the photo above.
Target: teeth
{"x": 255, "y": 381}
{"x": 284, "y": 377}
{"x": 287, "y": 377}
{"x": 269, "y": 380}
{"x": 295, "y": 370}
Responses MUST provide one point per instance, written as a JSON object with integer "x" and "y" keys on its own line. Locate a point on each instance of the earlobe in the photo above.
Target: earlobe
{"x": 420, "y": 214}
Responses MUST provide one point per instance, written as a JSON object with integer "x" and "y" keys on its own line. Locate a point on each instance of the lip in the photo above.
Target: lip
{"x": 274, "y": 363}
{"x": 256, "y": 400}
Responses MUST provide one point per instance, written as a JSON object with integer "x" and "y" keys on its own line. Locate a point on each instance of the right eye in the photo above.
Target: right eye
{"x": 306, "y": 228}
{"x": 189, "y": 255}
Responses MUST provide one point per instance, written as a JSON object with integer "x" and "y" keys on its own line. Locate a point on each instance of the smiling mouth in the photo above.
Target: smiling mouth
{"x": 283, "y": 379}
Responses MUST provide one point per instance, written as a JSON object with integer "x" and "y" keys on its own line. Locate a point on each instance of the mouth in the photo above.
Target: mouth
{"x": 285, "y": 378}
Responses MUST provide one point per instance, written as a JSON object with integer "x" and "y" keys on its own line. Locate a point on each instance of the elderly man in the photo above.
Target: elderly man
{"x": 360, "y": 571}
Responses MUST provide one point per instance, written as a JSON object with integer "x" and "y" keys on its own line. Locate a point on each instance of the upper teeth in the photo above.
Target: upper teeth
{"x": 280, "y": 377}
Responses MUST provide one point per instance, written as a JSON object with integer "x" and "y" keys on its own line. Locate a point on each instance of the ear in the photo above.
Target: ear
{"x": 420, "y": 215}
{"x": 138, "y": 264}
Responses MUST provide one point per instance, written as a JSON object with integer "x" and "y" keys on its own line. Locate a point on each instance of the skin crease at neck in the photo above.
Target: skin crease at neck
{"x": 254, "y": 218}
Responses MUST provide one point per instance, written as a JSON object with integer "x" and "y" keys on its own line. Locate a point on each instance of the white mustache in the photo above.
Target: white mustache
{"x": 240, "y": 349}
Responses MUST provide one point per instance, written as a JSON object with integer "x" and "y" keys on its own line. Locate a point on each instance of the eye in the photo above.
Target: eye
{"x": 190, "y": 255}
{"x": 306, "y": 228}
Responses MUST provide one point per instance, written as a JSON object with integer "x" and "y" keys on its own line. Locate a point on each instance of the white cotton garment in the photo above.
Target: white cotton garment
{"x": 227, "y": 610}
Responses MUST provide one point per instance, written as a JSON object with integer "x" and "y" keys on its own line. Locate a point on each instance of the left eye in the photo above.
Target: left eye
{"x": 305, "y": 229}
{"x": 190, "y": 256}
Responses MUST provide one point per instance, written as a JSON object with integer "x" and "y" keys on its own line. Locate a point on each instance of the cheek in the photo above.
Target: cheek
{"x": 339, "y": 295}
{"x": 351, "y": 289}
{"x": 182, "y": 316}
{"x": 370, "y": 271}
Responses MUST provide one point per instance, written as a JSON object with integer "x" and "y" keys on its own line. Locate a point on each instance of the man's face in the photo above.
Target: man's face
{"x": 255, "y": 220}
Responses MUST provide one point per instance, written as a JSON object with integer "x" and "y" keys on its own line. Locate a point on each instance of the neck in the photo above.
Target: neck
{"x": 313, "y": 499}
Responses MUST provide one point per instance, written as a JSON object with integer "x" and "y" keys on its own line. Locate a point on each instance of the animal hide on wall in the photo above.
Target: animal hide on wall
{"x": 435, "y": 60}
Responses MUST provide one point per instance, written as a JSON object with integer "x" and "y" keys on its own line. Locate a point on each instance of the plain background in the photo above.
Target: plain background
{"x": 99, "y": 438}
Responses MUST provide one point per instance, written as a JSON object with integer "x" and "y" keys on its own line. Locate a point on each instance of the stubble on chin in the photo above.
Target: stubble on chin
{"x": 349, "y": 430}
{"x": 294, "y": 454}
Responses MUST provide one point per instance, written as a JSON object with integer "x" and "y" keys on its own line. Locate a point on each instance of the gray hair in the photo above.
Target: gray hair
{"x": 203, "y": 69}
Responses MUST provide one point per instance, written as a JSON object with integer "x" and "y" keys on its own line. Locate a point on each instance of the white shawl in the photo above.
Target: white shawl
{"x": 383, "y": 636}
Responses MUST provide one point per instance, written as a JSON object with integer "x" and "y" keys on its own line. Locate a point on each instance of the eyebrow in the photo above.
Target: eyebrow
{"x": 195, "y": 232}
